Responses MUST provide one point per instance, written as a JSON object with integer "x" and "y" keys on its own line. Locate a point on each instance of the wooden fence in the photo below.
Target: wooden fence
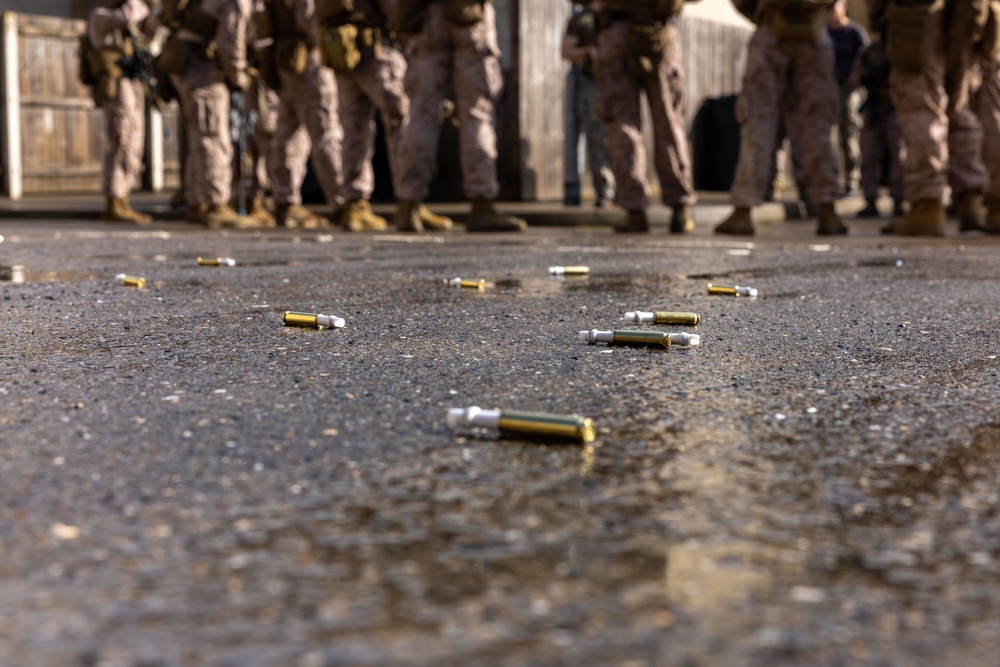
{"x": 51, "y": 134}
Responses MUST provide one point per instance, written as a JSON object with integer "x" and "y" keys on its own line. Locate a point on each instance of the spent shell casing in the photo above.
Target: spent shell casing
{"x": 468, "y": 284}
{"x": 662, "y": 317}
{"x": 638, "y": 338}
{"x": 312, "y": 320}
{"x": 735, "y": 290}
{"x": 216, "y": 261}
{"x": 569, "y": 270}
{"x": 534, "y": 424}
{"x": 131, "y": 281}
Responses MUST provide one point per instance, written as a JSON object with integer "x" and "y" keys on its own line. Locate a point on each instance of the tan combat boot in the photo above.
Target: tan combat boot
{"x": 635, "y": 222}
{"x": 296, "y": 216}
{"x": 485, "y": 218}
{"x": 828, "y": 223}
{"x": 258, "y": 211}
{"x": 219, "y": 216}
{"x": 971, "y": 212}
{"x": 358, "y": 217}
{"x": 926, "y": 218}
{"x": 407, "y": 217}
{"x": 681, "y": 222}
{"x": 739, "y": 223}
{"x": 432, "y": 221}
{"x": 119, "y": 210}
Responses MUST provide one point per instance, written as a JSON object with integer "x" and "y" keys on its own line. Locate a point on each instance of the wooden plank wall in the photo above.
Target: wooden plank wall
{"x": 62, "y": 132}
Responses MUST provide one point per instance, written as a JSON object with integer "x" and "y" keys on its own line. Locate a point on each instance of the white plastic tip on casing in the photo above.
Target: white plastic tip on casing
{"x": 227, "y": 261}
{"x": 455, "y": 282}
{"x": 588, "y": 336}
{"x": 120, "y": 276}
{"x": 685, "y": 339}
{"x": 458, "y": 417}
{"x": 331, "y": 321}
{"x": 746, "y": 291}
{"x": 638, "y": 316}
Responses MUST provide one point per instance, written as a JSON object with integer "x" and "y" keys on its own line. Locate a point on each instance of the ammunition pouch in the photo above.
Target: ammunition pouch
{"x": 989, "y": 47}
{"x": 340, "y": 50}
{"x": 104, "y": 67}
{"x": 291, "y": 55}
{"x": 913, "y": 35}
{"x": 646, "y": 47}
{"x": 465, "y": 12}
{"x": 798, "y": 24}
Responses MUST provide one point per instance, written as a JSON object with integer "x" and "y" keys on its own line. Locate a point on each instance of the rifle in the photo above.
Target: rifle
{"x": 140, "y": 68}
{"x": 241, "y": 124}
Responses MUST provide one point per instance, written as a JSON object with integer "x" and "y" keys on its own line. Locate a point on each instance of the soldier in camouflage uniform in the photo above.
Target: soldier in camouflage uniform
{"x": 450, "y": 41}
{"x": 308, "y": 99}
{"x": 579, "y": 47}
{"x": 790, "y": 52}
{"x": 934, "y": 51}
{"x": 357, "y": 43}
{"x": 639, "y": 49}
{"x": 987, "y": 106}
{"x": 212, "y": 37}
{"x": 111, "y": 32}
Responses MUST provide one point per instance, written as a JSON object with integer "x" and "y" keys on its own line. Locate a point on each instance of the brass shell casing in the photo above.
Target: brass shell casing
{"x": 687, "y": 319}
{"x": 643, "y": 338}
{"x": 208, "y": 261}
{"x": 718, "y": 289}
{"x": 299, "y": 319}
{"x": 576, "y": 270}
{"x": 543, "y": 424}
{"x": 473, "y": 284}
{"x": 133, "y": 281}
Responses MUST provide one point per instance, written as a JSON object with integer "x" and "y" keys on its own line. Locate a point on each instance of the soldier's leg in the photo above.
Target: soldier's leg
{"x": 124, "y": 131}
{"x": 617, "y": 105}
{"x": 759, "y": 112}
{"x": 872, "y": 140}
{"x": 478, "y": 82}
{"x": 966, "y": 171}
{"x": 321, "y": 116}
{"x": 572, "y": 122}
{"x": 988, "y": 111}
{"x": 357, "y": 115}
{"x": 848, "y": 131}
{"x": 597, "y": 152}
{"x": 894, "y": 148}
{"x": 428, "y": 57}
{"x": 815, "y": 113}
{"x": 287, "y": 159}
{"x": 214, "y": 144}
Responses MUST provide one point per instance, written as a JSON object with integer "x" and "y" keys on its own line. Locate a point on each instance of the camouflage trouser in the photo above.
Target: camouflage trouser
{"x": 125, "y": 132}
{"x": 468, "y": 56}
{"x": 376, "y": 84}
{"x": 581, "y": 117}
{"x": 848, "y": 130}
{"x": 804, "y": 71}
{"x": 942, "y": 139}
{"x": 880, "y": 144}
{"x": 987, "y": 106}
{"x": 308, "y": 101}
{"x": 208, "y": 165}
{"x": 618, "y": 105}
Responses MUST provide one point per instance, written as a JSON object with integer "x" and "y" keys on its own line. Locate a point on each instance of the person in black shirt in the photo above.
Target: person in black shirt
{"x": 849, "y": 40}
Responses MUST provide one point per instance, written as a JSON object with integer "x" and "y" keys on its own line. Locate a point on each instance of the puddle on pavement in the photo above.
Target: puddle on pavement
{"x": 768, "y": 272}
{"x": 18, "y": 274}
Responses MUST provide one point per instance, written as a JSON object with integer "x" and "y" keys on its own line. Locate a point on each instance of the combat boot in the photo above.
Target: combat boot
{"x": 738, "y": 223}
{"x": 432, "y": 221}
{"x": 296, "y": 216}
{"x": 407, "y": 218}
{"x": 681, "y": 222}
{"x": 195, "y": 212}
{"x": 926, "y": 218}
{"x": 971, "y": 212}
{"x": 119, "y": 210}
{"x": 223, "y": 216}
{"x": 869, "y": 211}
{"x": 485, "y": 218}
{"x": 636, "y": 222}
{"x": 258, "y": 211}
{"x": 358, "y": 217}
{"x": 828, "y": 223}
{"x": 993, "y": 218}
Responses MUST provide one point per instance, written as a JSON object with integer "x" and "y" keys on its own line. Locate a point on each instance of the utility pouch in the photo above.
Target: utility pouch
{"x": 106, "y": 89}
{"x": 804, "y": 25}
{"x": 646, "y": 46}
{"x": 340, "y": 48}
{"x": 174, "y": 57}
{"x": 990, "y": 44}
{"x": 913, "y": 35}
{"x": 292, "y": 55}
{"x": 465, "y": 12}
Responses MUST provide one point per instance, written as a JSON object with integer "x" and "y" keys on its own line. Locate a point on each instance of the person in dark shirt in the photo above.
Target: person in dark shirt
{"x": 849, "y": 40}
{"x": 579, "y": 47}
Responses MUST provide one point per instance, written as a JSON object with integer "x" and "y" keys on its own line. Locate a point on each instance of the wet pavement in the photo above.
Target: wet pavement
{"x": 189, "y": 482}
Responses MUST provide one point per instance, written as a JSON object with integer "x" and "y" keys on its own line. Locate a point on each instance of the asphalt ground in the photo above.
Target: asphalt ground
{"x": 186, "y": 481}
